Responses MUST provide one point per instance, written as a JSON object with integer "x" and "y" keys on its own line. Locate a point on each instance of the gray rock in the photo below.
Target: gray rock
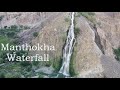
{"x": 111, "y": 67}
{"x": 46, "y": 70}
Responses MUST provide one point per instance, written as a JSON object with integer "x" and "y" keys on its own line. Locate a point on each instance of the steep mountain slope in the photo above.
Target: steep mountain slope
{"x": 87, "y": 59}
{"x": 54, "y": 34}
{"x": 97, "y": 34}
{"x": 96, "y": 43}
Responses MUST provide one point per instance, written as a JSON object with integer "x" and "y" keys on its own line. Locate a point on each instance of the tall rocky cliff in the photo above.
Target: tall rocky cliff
{"x": 93, "y": 52}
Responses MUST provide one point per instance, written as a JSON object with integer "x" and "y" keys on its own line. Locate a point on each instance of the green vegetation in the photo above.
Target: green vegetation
{"x": 8, "y": 35}
{"x": 13, "y": 75}
{"x": 88, "y": 15}
{"x": 13, "y": 69}
{"x": 35, "y": 34}
{"x": 57, "y": 64}
{"x": 24, "y": 27}
{"x": 117, "y": 53}
{"x": 14, "y": 27}
{"x": 64, "y": 36}
{"x": 61, "y": 76}
{"x": 1, "y": 17}
{"x": 2, "y": 75}
{"x": 99, "y": 24}
{"x": 3, "y": 40}
{"x": 72, "y": 70}
{"x": 67, "y": 19}
{"x": 10, "y": 32}
{"x": 77, "y": 31}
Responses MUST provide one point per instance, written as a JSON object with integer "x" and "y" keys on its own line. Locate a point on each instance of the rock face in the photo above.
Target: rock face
{"x": 35, "y": 20}
{"x": 94, "y": 57}
{"x": 54, "y": 34}
{"x": 25, "y": 18}
{"x": 94, "y": 43}
{"x": 109, "y": 31}
{"x": 87, "y": 60}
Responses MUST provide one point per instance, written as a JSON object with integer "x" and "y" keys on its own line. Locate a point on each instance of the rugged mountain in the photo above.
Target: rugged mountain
{"x": 93, "y": 54}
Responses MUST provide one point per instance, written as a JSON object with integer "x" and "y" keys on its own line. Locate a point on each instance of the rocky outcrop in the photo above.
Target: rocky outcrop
{"x": 87, "y": 59}
{"x": 93, "y": 42}
{"x": 34, "y": 20}
{"x": 109, "y": 30}
{"x": 111, "y": 67}
{"x": 25, "y": 18}
{"x": 55, "y": 34}
{"x": 93, "y": 52}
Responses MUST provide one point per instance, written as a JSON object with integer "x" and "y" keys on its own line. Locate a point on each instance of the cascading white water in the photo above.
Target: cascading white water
{"x": 68, "y": 49}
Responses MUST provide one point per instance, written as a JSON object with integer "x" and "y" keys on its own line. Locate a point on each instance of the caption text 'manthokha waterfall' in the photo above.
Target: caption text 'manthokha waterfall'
{"x": 68, "y": 49}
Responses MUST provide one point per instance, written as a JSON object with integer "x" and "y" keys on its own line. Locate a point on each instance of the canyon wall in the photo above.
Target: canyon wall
{"x": 94, "y": 45}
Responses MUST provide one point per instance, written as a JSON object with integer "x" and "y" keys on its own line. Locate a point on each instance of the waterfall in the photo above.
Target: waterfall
{"x": 68, "y": 49}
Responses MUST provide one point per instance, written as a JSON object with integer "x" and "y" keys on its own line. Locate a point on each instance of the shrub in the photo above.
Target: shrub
{"x": 67, "y": 20}
{"x": 1, "y": 60}
{"x": 5, "y": 27}
{"x": 21, "y": 26}
{"x": 1, "y": 17}
{"x": 14, "y": 27}
{"x": 2, "y": 74}
{"x": 77, "y": 31}
{"x": 41, "y": 76}
{"x": 26, "y": 27}
{"x": 89, "y": 16}
{"x": 16, "y": 41}
{"x": 117, "y": 53}
{"x": 25, "y": 63}
{"x": 35, "y": 34}
{"x": 11, "y": 34}
{"x": 35, "y": 63}
{"x": 91, "y": 13}
{"x": 13, "y": 75}
{"x": 72, "y": 70}
{"x": 57, "y": 64}
{"x": 29, "y": 68}
{"x": 20, "y": 53}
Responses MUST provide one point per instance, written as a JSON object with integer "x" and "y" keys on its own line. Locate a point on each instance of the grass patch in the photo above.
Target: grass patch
{"x": 64, "y": 37}
{"x": 72, "y": 70}
{"x": 88, "y": 15}
{"x": 67, "y": 19}
{"x": 10, "y": 32}
{"x": 2, "y": 74}
{"x": 35, "y": 34}
{"x": 4, "y": 40}
{"x": 57, "y": 64}
{"x": 13, "y": 69}
{"x": 117, "y": 53}
{"x": 77, "y": 31}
